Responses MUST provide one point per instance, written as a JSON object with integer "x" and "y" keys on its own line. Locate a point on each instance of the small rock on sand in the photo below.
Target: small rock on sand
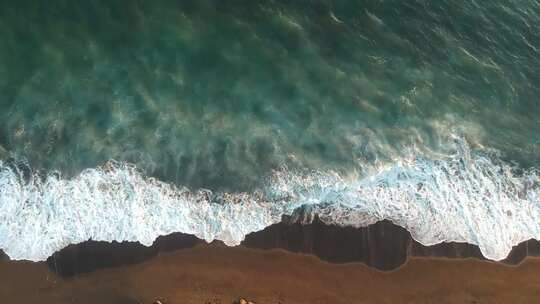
{"x": 243, "y": 301}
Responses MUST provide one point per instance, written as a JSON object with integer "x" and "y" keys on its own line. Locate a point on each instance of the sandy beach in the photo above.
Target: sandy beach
{"x": 217, "y": 274}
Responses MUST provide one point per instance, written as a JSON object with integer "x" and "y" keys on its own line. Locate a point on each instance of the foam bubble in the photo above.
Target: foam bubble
{"x": 465, "y": 197}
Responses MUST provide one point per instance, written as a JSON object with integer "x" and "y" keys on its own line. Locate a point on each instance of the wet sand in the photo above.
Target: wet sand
{"x": 383, "y": 246}
{"x": 217, "y": 274}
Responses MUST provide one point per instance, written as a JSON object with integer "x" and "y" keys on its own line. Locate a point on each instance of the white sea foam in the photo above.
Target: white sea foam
{"x": 465, "y": 197}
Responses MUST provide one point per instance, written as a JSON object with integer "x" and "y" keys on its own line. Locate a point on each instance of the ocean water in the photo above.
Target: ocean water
{"x": 126, "y": 121}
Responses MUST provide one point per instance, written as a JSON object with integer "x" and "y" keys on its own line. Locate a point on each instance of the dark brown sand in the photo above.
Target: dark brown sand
{"x": 217, "y": 274}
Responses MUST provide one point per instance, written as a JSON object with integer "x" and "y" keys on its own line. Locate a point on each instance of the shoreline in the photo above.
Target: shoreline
{"x": 383, "y": 246}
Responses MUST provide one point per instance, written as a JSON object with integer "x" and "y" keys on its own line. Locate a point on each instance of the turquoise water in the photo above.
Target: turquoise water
{"x": 217, "y": 93}
{"x": 129, "y": 120}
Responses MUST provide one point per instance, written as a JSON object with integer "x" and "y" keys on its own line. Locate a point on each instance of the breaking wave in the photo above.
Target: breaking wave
{"x": 468, "y": 197}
